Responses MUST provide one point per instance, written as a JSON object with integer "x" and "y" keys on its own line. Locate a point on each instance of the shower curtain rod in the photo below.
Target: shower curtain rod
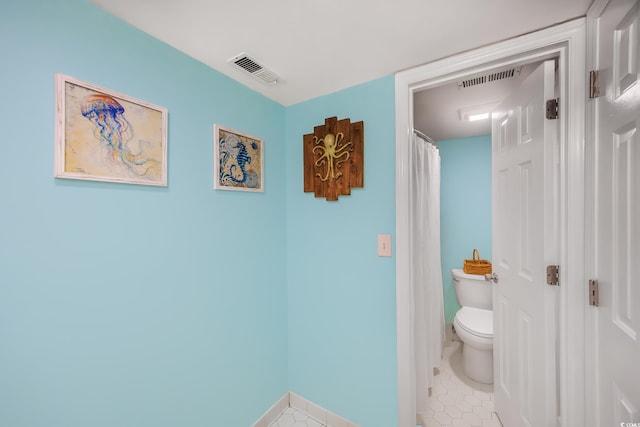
{"x": 423, "y": 136}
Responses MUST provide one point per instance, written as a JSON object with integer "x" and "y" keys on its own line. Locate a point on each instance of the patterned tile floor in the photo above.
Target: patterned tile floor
{"x": 293, "y": 418}
{"x": 457, "y": 401}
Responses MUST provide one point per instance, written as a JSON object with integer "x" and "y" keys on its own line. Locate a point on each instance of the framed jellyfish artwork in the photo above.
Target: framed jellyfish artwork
{"x": 102, "y": 135}
{"x": 238, "y": 160}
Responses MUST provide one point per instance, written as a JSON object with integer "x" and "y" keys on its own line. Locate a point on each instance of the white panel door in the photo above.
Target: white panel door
{"x": 525, "y": 240}
{"x": 617, "y": 217}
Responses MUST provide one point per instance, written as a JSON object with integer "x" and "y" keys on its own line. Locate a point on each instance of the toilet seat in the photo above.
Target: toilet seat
{"x": 475, "y": 321}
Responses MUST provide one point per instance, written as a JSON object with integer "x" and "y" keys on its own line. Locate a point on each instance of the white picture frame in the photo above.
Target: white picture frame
{"x": 103, "y": 135}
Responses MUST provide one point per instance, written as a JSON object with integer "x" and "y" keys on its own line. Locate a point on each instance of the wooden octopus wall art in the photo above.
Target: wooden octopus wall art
{"x": 334, "y": 158}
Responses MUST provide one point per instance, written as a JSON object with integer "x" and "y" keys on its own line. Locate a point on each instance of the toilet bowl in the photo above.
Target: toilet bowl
{"x": 474, "y": 327}
{"x": 474, "y": 324}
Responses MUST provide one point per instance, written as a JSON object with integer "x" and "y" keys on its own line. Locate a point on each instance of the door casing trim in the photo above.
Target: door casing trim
{"x": 592, "y": 404}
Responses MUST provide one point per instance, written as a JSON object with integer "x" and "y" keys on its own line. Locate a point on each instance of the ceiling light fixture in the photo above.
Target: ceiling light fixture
{"x": 477, "y": 113}
{"x": 477, "y": 117}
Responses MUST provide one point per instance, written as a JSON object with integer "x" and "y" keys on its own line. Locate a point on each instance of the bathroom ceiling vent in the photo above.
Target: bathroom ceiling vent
{"x": 488, "y": 78}
{"x": 254, "y": 68}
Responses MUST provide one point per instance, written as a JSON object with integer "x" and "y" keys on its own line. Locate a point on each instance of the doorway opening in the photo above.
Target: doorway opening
{"x": 457, "y": 115}
{"x": 566, "y": 42}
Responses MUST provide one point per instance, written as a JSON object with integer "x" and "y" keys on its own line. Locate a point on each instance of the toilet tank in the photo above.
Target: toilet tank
{"x": 472, "y": 290}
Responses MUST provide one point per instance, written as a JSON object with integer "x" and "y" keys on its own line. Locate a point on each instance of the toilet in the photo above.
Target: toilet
{"x": 474, "y": 324}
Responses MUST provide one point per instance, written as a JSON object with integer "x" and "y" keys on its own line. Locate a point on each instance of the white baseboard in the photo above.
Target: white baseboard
{"x": 318, "y": 413}
{"x": 274, "y": 412}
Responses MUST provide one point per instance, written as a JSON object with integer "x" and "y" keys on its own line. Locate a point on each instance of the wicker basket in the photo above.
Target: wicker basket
{"x": 476, "y": 265}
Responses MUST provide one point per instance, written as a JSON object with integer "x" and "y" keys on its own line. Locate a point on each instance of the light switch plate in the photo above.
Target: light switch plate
{"x": 384, "y": 244}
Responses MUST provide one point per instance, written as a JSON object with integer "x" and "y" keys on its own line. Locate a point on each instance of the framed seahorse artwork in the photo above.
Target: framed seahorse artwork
{"x": 102, "y": 135}
{"x": 238, "y": 160}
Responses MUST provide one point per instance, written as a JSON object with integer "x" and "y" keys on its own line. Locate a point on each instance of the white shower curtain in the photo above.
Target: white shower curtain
{"x": 425, "y": 266}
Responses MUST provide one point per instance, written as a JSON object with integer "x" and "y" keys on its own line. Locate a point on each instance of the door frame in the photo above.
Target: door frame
{"x": 567, "y": 42}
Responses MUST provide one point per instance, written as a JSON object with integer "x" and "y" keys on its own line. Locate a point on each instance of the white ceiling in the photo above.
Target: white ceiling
{"x": 317, "y": 47}
{"x": 437, "y": 111}
{"x": 322, "y": 46}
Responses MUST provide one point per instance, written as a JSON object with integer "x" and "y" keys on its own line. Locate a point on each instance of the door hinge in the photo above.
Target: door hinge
{"x": 594, "y": 293}
{"x": 552, "y": 108}
{"x": 553, "y": 275}
{"x": 594, "y": 84}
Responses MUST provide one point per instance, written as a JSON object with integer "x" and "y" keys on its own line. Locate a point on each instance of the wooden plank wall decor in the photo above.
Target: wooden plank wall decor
{"x": 334, "y": 158}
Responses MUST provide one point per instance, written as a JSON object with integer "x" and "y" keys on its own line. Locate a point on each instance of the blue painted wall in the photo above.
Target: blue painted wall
{"x": 143, "y": 306}
{"x": 342, "y": 328}
{"x": 465, "y": 207}
{"x": 125, "y": 305}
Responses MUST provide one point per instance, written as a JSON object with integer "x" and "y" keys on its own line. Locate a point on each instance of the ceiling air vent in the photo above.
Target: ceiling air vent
{"x": 255, "y": 68}
{"x": 473, "y": 82}
{"x": 488, "y": 78}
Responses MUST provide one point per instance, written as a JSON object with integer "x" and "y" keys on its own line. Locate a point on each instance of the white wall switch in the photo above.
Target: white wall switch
{"x": 384, "y": 244}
